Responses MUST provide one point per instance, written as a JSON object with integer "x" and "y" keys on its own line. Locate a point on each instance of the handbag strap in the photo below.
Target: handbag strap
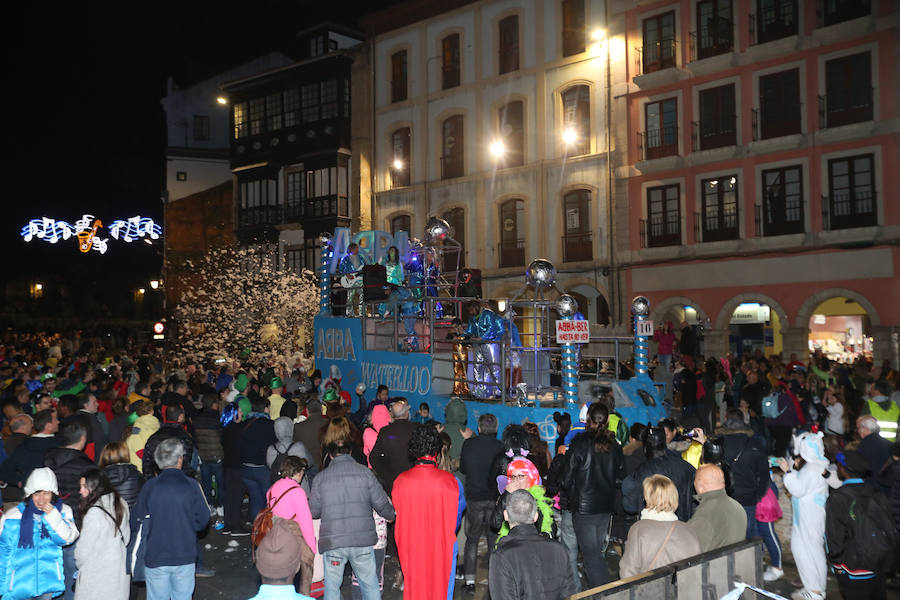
{"x": 665, "y": 541}
{"x": 283, "y": 494}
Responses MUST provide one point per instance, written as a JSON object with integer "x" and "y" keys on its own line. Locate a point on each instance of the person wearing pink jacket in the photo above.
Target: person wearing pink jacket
{"x": 289, "y": 501}
{"x": 380, "y": 418}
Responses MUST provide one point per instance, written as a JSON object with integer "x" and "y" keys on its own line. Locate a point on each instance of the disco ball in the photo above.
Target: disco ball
{"x": 566, "y": 306}
{"x": 640, "y": 306}
{"x": 541, "y": 273}
{"x": 360, "y": 389}
{"x": 325, "y": 238}
{"x": 436, "y": 229}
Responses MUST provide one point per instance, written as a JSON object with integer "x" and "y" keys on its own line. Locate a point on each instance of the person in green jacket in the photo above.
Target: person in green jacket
{"x": 718, "y": 520}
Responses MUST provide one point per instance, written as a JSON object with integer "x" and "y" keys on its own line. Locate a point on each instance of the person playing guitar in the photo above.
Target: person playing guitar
{"x": 350, "y": 268}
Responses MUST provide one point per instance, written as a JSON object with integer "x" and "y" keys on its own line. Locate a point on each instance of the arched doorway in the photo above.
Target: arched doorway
{"x": 840, "y": 328}
{"x": 754, "y": 323}
{"x": 592, "y": 304}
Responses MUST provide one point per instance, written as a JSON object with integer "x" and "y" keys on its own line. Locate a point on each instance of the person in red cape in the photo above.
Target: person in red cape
{"x": 429, "y": 504}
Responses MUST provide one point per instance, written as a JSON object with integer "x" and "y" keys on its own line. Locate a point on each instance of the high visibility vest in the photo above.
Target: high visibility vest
{"x": 887, "y": 419}
{"x": 693, "y": 454}
{"x": 618, "y": 427}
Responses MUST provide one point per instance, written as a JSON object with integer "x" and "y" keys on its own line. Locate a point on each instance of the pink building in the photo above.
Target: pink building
{"x": 764, "y": 175}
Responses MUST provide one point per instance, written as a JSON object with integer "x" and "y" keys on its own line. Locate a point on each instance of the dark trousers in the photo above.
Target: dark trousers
{"x": 781, "y": 438}
{"x": 862, "y": 589}
{"x": 590, "y": 531}
{"x": 478, "y": 518}
{"x": 256, "y": 478}
{"x": 234, "y": 495}
{"x": 69, "y": 569}
{"x": 207, "y": 472}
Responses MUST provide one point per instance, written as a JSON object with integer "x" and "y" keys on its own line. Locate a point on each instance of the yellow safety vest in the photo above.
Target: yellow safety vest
{"x": 693, "y": 454}
{"x": 887, "y": 419}
{"x": 613, "y": 422}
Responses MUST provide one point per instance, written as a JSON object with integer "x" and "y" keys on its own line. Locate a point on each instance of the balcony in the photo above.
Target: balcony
{"x": 773, "y": 23}
{"x": 715, "y": 133}
{"x": 849, "y": 209}
{"x": 658, "y": 143}
{"x": 831, "y": 12}
{"x": 323, "y": 207}
{"x": 776, "y": 219}
{"x": 400, "y": 177}
{"x": 452, "y": 166}
{"x": 718, "y": 38}
{"x": 259, "y": 216}
{"x": 777, "y": 121}
{"x": 716, "y": 227}
{"x": 577, "y": 247}
{"x": 657, "y": 232}
{"x": 512, "y": 253}
{"x": 845, "y": 105}
{"x": 655, "y": 56}
{"x": 398, "y": 90}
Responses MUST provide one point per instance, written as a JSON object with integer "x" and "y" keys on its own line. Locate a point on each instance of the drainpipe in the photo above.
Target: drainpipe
{"x": 613, "y": 274}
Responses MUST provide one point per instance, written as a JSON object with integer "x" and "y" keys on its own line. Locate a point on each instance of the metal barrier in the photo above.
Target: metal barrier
{"x": 707, "y": 576}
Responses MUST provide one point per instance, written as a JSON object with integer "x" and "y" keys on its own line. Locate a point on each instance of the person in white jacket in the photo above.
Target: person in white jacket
{"x": 806, "y": 481}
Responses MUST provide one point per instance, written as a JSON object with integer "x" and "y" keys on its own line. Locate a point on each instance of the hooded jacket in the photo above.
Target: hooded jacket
{"x": 747, "y": 460}
{"x": 380, "y": 418}
{"x": 68, "y": 465}
{"x": 672, "y": 466}
{"x": 126, "y": 480}
{"x": 168, "y": 430}
{"x": 26, "y": 573}
{"x": 143, "y": 428}
{"x": 285, "y": 444}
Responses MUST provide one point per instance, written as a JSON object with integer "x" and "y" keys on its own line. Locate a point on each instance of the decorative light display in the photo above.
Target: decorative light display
{"x": 86, "y": 231}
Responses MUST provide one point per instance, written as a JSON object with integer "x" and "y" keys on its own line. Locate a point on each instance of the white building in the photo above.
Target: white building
{"x": 493, "y": 116}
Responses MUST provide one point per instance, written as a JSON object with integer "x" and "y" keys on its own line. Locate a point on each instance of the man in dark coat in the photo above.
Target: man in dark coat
{"x": 30, "y": 453}
{"x": 660, "y": 462}
{"x": 526, "y": 564}
{"x": 687, "y": 345}
{"x": 481, "y": 489}
{"x": 390, "y": 454}
{"x": 172, "y": 428}
{"x": 307, "y": 430}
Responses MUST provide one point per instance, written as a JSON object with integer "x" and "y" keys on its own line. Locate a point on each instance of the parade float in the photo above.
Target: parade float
{"x": 521, "y": 364}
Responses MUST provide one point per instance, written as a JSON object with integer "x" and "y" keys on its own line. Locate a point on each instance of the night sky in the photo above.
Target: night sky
{"x": 85, "y": 130}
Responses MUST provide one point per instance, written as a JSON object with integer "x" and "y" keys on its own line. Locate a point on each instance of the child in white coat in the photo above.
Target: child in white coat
{"x": 806, "y": 481}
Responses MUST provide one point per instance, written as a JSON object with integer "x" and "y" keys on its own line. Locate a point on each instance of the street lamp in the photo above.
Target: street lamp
{"x": 141, "y": 291}
{"x": 569, "y": 136}
{"x": 497, "y": 149}
{"x": 222, "y": 100}
{"x": 38, "y": 287}
{"x": 398, "y": 164}
{"x": 154, "y": 283}
{"x": 598, "y": 35}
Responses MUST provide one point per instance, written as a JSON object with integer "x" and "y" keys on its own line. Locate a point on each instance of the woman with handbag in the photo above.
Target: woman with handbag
{"x": 287, "y": 500}
{"x": 100, "y": 554}
{"x": 659, "y": 538}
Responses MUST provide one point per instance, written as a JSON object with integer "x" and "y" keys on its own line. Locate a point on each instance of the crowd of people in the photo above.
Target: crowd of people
{"x": 115, "y": 463}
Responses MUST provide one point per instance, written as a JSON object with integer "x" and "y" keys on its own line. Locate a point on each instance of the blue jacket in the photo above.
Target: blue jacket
{"x": 178, "y": 511}
{"x": 26, "y": 573}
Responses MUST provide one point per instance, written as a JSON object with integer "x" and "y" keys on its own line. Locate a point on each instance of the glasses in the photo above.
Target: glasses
{"x": 518, "y": 476}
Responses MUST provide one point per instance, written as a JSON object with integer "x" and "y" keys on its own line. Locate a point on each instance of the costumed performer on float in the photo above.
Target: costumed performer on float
{"x": 489, "y": 328}
{"x": 396, "y": 279}
{"x": 429, "y": 504}
{"x": 350, "y": 267}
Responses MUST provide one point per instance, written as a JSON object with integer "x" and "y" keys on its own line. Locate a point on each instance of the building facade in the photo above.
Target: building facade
{"x": 762, "y": 186}
{"x": 290, "y": 154}
{"x": 494, "y": 116}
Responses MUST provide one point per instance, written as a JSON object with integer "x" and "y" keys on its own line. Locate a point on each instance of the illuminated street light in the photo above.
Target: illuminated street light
{"x": 154, "y": 283}
{"x": 398, "y": 164}
{"x": 222, "y": 100}
{"x": 569, "y": 136}
{"x": 38, "y": 286}
{"x": 141, "y": 291}
{"x": 598, "y": 35}
{"x": 497, "y": 149}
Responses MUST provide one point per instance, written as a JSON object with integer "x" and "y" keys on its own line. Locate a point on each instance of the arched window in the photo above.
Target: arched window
{"x": 400, "y": 161}
{"x": 576, "y": 103}
{"x": 512, "y": 234}
{"x": 577, "y": 242}
{"x": 456, "y": 217}
{"x": 450, "y": 61}
{"x": 512, "y": 134}
{"x": 452, "y": 156}
{"x": 400, "y": 223}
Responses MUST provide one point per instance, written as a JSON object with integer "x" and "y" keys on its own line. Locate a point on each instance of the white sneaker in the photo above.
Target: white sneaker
{"x": 773, "y": 574}
{"x": 220, "y": 511}
{"x": 805, "y": 594}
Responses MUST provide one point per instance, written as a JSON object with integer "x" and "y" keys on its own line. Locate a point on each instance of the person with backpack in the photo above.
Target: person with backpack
{"x": 283, "y": 447}
{"x": 782, "y": 413}
{"x": 859, "y": 532}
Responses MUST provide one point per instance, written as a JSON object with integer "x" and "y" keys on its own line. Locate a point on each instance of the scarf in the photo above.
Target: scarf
{"x": 653, "y": 515}
{"x": 26, "y": 526}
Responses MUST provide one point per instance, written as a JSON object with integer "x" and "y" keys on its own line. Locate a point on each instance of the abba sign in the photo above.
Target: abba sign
{"x": 372, "y": 245}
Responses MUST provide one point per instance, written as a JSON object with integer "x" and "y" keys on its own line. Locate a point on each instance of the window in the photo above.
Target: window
{"x": 664, "y": 216}
{"x": 310, "y": 96}
{"x": 848, "y": 90}
{"x": 720, "y": 208}
{"x": 782, "y": 201}
{"x": 401, "y": 223}
{"x": 291, "y": 107}
{"x": 851, "y": 189}
{"x": 273, "y": 112}
{"x": 512, "y": 246}
{"x": 456, "y": 218}
{"x": 658, "y": 51}
{"x": 573, "y": 27}
{"x": 509, "y": 44}
{"x": 450, "y": 61}
{"x": 775, "y": 19}
{"x": 295, "y": 194}
{"x": 452, "y": 157}
{"x": 312, "y": 251}
{"x": 258, "y": 202}
{"x": 512, "y": 132}
{"x": 346, "y": 98}
{"x": 577, "y": 244}
{"x": 398, "y": 76}
{"x": 241, "y": 127}
{"x": 181, "y": 176}
{"x": 661, "y": 136}
{"x": 329, "y": 107}
{"x": 779, "y": 104}
{"x": 718, "y": 124}
{"x": 257, "y": 112}
{"x": 400, "y": 163}
{"x": 326, "y": 191}
{"x": 715, "y": 31}
{"x": 838, "y": 11}
{"x": 201, "y": 128}
{"x": 576, "y": 103}
{"x": 293, "y": 260}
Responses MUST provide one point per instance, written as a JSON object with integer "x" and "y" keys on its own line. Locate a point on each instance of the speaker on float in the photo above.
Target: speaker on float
{"x": 374, "y": 283}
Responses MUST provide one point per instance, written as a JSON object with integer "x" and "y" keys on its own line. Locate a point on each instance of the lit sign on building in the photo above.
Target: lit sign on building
{"x": 87, "y": 231}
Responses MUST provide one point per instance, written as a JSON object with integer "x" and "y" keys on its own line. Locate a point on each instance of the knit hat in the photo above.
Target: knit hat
{"x": 241, "y": 382}
{"x": 41, "y": 480}
{"x": 276, "y": 383}
{"x": 854, "y": 462}
{"x": 279, "y": 553}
